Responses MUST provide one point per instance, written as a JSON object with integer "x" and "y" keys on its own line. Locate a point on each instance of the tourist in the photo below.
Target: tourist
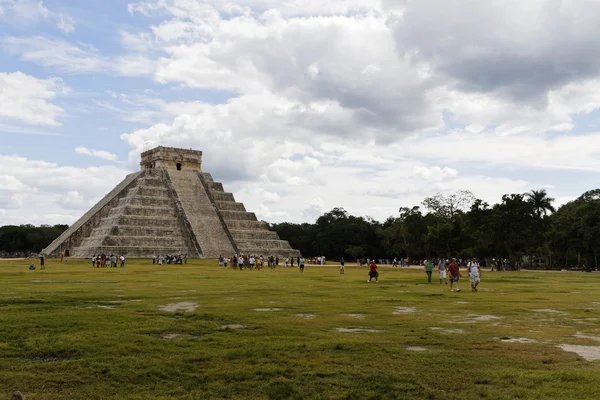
{"x": 220, "y": 261}
{"x": 301, "y": 263}
{"x": 241, "y": 262}
{"x": 454, "y": 271}
{"x": 342, "y": 265}
{"x": 154, "y": 259}
{"x": 395, "y": 263}
{"x": 93, "y": 261}
{"x": 473, "y": 267}
{"x": 42, "y": 263}
{"x": 442, "y": 266}
{"x": 252, "y": 262}
{"x": 225, "y": 261}
{"x": 122, "y": 258}
{"x": 185, "y": 259}
{"x": 292, "y": 262}
{"x": 428, "y": 269}
{"x": 373, "y": 272}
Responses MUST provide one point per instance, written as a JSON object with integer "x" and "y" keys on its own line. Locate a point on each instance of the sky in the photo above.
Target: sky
{"x": 299, "y": 106}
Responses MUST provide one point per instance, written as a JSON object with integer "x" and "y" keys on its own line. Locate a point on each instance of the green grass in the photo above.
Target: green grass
{"x": 105, "y": 338}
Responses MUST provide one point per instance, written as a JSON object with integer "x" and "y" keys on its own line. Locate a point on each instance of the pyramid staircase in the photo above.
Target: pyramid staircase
{"x": 143, "y": 223}
{"x": 169, "y": 207}
{"x": 249, "y": 235}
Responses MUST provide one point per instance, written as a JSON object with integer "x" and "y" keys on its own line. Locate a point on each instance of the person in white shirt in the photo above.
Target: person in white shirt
{"x": 474, "y": 277}
{"x": 442, "y": 267}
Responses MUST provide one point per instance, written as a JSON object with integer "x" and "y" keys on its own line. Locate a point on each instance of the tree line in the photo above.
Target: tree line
{"x": 523, "y": 227}
{"x": 23, "y": 240}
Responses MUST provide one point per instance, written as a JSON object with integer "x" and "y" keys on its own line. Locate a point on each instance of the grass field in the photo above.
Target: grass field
{"x": 77, "y": 332}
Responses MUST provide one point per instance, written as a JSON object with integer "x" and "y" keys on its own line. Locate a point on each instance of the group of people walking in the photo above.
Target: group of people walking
{"x": 250, "y": 262}
{"x": 104, "y": 261}
{"x": 169, "y": 259}
{"x": 452, "y": 269}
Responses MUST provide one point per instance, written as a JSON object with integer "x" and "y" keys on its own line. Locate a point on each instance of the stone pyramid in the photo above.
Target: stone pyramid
{"x": 169, "y": 207}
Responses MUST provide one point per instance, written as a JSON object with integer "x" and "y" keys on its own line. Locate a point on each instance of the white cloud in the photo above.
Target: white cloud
{"x": 313, "y": 209}
{"x": 19, "y": 12}
{"x": 56, "y": 53}
{"x": 105, "y": 155}
{"x": 41, "y": 192}
{"x": 66, "y": 23}
{"x": 349, "y": 102}
{"x": 27, "y": 99}
{"x": 434, "y": 173}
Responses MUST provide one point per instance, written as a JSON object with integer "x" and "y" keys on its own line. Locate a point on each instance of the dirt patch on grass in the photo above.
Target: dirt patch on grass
{"x": 356, "y": 330}
{"x": 583, "y": 336}
{"x": 462, "y": 302}
{"x": 267, "y": 309}
{"x": 233, "y": 326}
{"x": 448, "y": 331}
{"x": 357, "y": 316}
{"x": 306, "y": 316}
{"x": 548, "y": 310}
{"x": 186, "y": 306}
{"x": 588, "y": 353}
{"x": 416, "y": 348}
{"x": 404, "y": 310}
{"x": 170, "y": 336}
{"x": 518, "y": 340}
{"x": 480, "y": 318}
{"x": 99, "y": 306}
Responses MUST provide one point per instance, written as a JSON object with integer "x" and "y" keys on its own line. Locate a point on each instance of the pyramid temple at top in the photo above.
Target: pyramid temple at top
{"x": 169, "y": 207}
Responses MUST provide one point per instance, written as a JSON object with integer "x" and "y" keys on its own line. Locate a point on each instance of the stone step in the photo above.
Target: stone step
{"x": 239, "y": 234}
{"x": 143, "y": 210}
{"x": 150, "y": 211}
{"x": 139, "y": 220}
{"x": 229, "y": 215}
{"x": 144, "y": 241}
{"x": 230, "y": 206}
{"x": 124, "y": 230}
{"x": 263, "y": 244}
{"x": 247, "y": 225}
{"x": 152, "y": 191}
{"x": 216, "y": 186}
{"x": 222, "y": 196}
{"x": 129, "y": 251}
{"x": 152, "y": 181}
{"x": 153, "y": 201}
{"x": 207, "y": 177}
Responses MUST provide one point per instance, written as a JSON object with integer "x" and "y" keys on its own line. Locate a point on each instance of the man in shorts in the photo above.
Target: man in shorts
{"x": 342, "y": 265}
{"x": 442, "y": 267}
{"x": 454, "y": 271}
{"x": 301, "y": 263}
{"x": 474, "y": 274}
{"x": 373, "y": 272}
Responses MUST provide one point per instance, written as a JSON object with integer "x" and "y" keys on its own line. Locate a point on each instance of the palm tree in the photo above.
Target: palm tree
{"x": 542, "y": 204}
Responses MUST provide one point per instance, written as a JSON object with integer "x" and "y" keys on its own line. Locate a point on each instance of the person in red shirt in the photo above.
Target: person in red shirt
{"x": 373, "y": 272}
{"x": 454, "y": 271}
